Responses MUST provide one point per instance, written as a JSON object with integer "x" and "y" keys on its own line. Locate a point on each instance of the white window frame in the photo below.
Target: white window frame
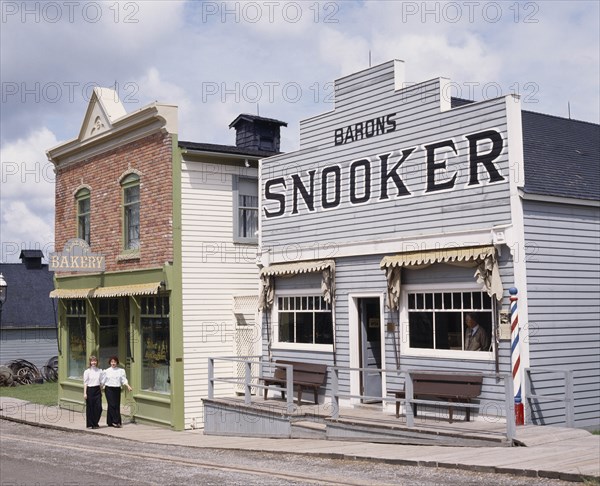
{"x": 275, "y": 320}
{"x": 456, "y": 354}
{"x": 237, "y": 238}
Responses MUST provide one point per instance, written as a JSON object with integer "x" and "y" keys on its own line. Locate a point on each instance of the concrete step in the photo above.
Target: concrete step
{"x": 308, "y": 430}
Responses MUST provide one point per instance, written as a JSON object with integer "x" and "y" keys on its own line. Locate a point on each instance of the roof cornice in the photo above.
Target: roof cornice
{"x": 146, "y": 121}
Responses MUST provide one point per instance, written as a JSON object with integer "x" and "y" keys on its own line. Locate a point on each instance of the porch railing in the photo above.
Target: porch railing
{"x": 250, "y": 382}
{"x": 567, "y": 395}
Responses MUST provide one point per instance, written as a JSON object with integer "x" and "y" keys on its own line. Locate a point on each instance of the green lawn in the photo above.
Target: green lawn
{"x": 45, "y": 394}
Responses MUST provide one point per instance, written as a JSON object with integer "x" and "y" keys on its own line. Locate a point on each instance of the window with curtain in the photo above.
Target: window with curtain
{"x": 131, "y": 212}
{"x": 108, "y": 316}
{"x": 83, "y": 214}
{"x": 155, "y": 344}
{"x": 76, "y": 337}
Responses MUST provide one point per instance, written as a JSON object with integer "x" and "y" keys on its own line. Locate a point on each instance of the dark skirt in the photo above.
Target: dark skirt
{"x": 113, "y": 399}
{"x": 93, "y": 406}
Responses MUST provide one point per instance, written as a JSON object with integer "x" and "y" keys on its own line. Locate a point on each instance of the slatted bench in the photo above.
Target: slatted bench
{"x": 460, "y": 388}
{"x": 305, "y": 376}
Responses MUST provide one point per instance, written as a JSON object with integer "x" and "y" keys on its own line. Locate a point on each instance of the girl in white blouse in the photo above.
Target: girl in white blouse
{"x": 113, "y": 379}
{"x": 92, "y": 379}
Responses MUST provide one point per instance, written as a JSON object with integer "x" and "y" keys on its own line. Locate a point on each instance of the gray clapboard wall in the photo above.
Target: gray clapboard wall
{"x": 420, "y": 121}
{"x": 563, "y": 281}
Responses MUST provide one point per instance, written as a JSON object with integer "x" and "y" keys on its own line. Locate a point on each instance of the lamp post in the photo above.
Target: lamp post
{"x": 3, "y": 290}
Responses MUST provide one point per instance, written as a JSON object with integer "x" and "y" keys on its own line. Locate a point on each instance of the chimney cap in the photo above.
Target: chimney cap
{"x": 30, "y": 254}
{"x": 254, "y": 118}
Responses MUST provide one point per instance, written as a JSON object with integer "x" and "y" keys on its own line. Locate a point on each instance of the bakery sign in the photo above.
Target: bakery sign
{"x": 76, "y": 257}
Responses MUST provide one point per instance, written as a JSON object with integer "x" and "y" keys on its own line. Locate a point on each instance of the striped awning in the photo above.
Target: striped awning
{"x": 440, "y": 255}
{"x": 105, "y": 292}
{"x": 278, "y": 269}
{"x": 71, "y": 293}
{"x": 267, "y": 291}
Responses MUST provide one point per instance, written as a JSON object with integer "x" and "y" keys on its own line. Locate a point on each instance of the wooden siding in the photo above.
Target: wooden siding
{"x": 420, "y": 121}
{"x": 362, "y": 275}
{"x": 214, "y": 269}
{"x": 34, "y": 345}
{"x": 563, "y": 282}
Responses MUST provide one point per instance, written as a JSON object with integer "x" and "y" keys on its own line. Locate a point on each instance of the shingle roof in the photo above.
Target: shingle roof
{"x": 562, "y": 156}
{"x": 27, "y": 301}
{"x": 225, "y": 149}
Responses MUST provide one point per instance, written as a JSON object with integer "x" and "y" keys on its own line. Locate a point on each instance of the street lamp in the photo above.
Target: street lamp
{"x": 3, "y": 289}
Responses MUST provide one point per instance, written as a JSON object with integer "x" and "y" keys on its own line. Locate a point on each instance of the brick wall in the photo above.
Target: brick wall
{"x": 151, "y": 157}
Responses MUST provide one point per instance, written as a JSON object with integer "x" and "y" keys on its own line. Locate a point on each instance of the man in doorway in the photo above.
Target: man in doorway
{"x": 476, "y": 339}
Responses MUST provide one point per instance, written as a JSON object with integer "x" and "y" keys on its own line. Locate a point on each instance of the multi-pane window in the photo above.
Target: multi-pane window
{"x": 83, "y": 214}
{"x": 155, "y": 344}
{"x": 438, "y": 320}
{"x": 247, "y": 209}
{"x": 131, "y": 212}
{"x": 76, "y": 332}
{"x": 306, "y": 319}
{"x": 108, "y": 316}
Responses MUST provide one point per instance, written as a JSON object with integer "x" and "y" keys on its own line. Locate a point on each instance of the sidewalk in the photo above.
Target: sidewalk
{"x": 551, "y": 452}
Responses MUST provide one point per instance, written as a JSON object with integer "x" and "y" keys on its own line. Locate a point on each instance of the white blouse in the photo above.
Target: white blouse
{"x": 114, "y": 377}
{"x": 93, "y": 376}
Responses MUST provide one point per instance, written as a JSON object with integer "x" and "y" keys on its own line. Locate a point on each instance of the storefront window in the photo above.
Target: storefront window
{"x": 76, "y": 353}
{"x": 449, "y": 320}
{"x": 155, "y": 344}
{"x": 305, "y": 319}
{"x": 108, "y": 315}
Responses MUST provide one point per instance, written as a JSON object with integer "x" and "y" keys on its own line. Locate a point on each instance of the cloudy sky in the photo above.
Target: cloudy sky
{"x": 216, "y": 59}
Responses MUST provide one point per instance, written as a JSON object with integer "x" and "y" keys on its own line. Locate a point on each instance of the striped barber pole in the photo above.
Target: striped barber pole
{"x": 515, "y": 355}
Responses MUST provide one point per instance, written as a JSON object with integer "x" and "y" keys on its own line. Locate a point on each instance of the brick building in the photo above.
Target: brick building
{"x": 175, "y": 225}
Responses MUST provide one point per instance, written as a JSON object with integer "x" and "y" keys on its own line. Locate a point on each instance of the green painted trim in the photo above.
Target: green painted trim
{"x": 110, "y": 279}
{"x": 176, "y": 283}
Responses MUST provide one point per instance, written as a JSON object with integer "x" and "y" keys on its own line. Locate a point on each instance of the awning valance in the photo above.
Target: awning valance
{"x": 482, "y": 257}
{"x": 440, "y": 255}
{"x": 267, "y": 274}
{"x": 125, "y": 290}
{"x": 295, "y": 268}
{"x": 105, "y": 292}
{"x": 71, "y": 293}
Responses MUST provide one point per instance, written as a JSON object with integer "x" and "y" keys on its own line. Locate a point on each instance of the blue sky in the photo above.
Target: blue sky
{"x": 217, "y": 59}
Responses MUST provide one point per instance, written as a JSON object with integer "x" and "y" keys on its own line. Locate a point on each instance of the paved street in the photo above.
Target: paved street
{"x": 34, "y": 455}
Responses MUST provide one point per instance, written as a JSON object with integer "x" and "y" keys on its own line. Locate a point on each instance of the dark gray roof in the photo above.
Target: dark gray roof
{"x": 27, "y": 300}
{"x": 225, "y": 149}
{"x": 562, "y": 156}
{"x": 252, "y": 118}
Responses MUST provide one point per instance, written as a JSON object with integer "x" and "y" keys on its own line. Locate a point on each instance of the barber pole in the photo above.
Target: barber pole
{"x": 515, "y": 355}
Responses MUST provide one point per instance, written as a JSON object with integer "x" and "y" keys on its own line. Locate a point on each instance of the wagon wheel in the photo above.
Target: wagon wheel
{"x": 24, "y": 376}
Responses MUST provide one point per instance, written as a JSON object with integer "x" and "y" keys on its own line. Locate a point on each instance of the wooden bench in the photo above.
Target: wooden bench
{"x": 451, "y": 387}
{"x": 305, "y": 376}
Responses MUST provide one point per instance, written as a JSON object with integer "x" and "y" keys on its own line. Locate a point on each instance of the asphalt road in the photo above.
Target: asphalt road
{"x": 40, "y": 456}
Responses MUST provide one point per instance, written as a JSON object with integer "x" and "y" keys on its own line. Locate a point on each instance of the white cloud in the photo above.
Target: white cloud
{"x": 27, "y": 195}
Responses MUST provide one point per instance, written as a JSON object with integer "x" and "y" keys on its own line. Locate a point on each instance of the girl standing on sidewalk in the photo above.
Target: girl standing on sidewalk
{"x": 92, "y": 379}
{"x": 114, "y": 379}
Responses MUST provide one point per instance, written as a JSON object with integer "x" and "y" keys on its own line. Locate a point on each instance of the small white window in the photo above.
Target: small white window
{"x": 245, "y": 206}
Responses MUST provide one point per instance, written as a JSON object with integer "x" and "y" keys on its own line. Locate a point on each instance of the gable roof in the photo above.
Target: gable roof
{"x": 27, "y": 300}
